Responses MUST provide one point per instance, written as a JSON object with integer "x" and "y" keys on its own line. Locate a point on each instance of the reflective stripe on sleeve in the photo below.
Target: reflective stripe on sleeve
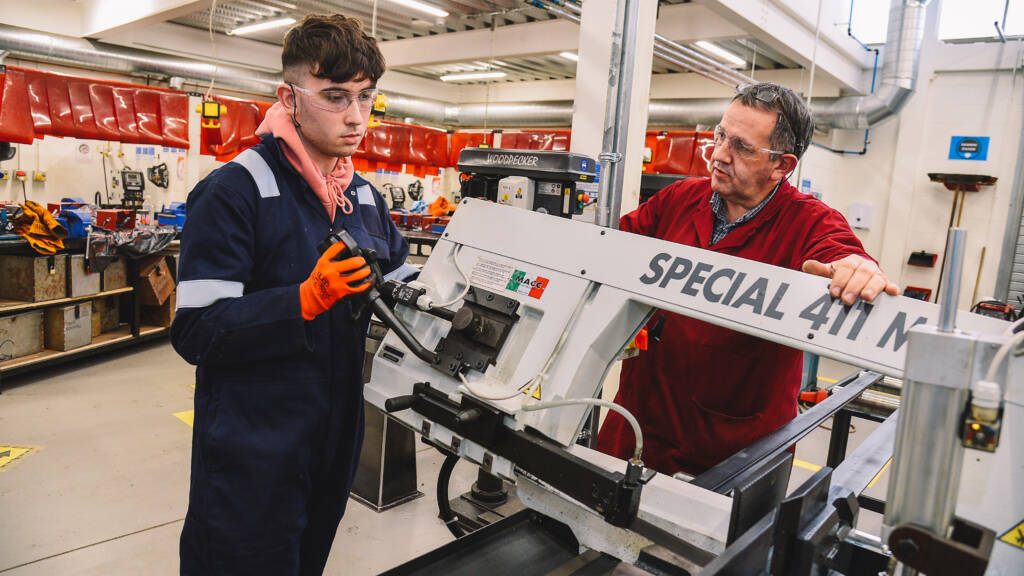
{"x": 202, "y": 293}
{"x": 260, "y": 171}
{"x": 403, "y": 273}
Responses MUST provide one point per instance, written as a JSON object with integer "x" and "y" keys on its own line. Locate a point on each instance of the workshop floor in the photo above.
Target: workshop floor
{"x": 102, "y": 488}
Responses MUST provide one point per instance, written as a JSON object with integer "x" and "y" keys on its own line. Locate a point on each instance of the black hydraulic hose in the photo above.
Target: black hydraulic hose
{"x": 443, "y": 504}
{"x": 401, "y": 330}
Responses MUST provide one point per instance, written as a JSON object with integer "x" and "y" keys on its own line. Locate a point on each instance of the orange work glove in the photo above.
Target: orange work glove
{"x": 440, "y": 207}
{"x": 332, "y": 280}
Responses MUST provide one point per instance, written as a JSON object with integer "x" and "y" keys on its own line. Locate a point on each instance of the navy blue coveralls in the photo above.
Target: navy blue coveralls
{"x": 278, "y": 401}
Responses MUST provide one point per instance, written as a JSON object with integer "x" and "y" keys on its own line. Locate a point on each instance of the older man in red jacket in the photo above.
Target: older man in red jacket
{"x": 701, "y": 392}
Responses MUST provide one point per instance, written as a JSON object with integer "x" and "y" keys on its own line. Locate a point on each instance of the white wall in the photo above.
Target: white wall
{"x": 962, "y": 90}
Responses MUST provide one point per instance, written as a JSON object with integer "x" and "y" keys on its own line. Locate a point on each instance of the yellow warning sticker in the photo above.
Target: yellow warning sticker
{"x": 536, "y": 391}
{"x": 1015, "y": 536}
{"x": 187, "y": 416}
{"x": 9, "y": 454}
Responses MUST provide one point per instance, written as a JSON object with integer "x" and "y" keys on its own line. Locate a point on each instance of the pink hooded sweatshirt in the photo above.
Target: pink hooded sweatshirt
{"x": 330, "y": 189}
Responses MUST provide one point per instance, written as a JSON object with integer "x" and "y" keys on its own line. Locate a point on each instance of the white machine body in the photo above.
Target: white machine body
{"x": 585, "y": 291}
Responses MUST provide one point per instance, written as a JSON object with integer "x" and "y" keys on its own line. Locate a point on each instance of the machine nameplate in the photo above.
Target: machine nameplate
{"x": 778, "y": 304}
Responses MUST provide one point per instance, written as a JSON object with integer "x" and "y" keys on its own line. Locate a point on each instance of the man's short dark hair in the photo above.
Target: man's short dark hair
{"x": 794, "y": 126}
{"x": 331, "y": 46}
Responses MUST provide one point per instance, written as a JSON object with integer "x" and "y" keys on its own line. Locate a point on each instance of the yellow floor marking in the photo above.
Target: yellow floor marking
{"x": 9, "y": 454}
{"x": 187, "y": 416}
{"x": 805, "y": 465}
{"x": 829, "y": 380}
{"x": 880, "y": 472}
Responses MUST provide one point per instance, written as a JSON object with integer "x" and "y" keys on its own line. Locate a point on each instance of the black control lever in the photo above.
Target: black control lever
{"x": 399, "y": 403}
{"x": 372, "y": 295}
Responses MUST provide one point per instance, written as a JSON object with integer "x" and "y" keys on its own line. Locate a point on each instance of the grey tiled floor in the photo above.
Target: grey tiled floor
{"x": 105, "y": 488}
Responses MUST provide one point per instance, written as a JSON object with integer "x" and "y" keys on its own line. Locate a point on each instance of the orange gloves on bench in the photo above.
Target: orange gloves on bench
{"x": 332, "y": 281}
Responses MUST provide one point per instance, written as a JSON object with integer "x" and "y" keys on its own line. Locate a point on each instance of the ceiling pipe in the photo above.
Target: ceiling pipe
{"x": 665, "y": 49}
{"x": 79, "y": 52}
{"x": 898, "y": 74}
{"x": 898, "y": 81}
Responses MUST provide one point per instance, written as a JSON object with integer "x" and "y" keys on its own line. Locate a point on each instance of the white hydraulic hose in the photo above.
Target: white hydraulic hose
{"x": 637, "y": 452}
{"x": 465, "y": 279}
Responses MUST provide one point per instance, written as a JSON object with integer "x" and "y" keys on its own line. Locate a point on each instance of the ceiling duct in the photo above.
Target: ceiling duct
{"x": 898, "y": 74}
{"x": 898, "y": 79}
{"x": 79, "y": 52}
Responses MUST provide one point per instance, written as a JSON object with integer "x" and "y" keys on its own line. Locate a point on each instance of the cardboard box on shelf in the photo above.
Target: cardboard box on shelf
{"x": 106, "y": 314}
{"x": 161, "y": 315}
{"x": 115, "y": 275}
{"x": 155, "y": 281}
{"x": 68, "y": 327}
{"x": 80, "y": 281}
{"x": 33, "y": 278}
{"x": 21, "y": 335}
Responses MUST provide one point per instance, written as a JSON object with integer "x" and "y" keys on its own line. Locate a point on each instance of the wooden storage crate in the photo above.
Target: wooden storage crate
{"x": 115, "y": 275}
{"x": 21, "y": 335}
{"x": 80, "y": 281}
{"x": 33, "y": 278}
{"x": 106, "y": 314}
{"x": 155, "y": 283}
{"x": 68, "y": 327}
{"x": 162, "y": 315}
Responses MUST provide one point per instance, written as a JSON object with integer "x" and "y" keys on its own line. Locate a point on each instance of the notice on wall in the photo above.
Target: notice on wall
{"x": 968, "y": 148}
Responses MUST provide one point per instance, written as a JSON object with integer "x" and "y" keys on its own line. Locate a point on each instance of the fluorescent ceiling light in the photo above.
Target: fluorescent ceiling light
{"x": 569, "y": 56}
{"x": 262, "y": 26}
{"x": 472, "y": 76}
{"x": 422, "y": 7}
{"x": 725, "y": 55}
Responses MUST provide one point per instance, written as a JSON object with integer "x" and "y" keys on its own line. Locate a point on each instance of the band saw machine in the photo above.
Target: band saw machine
{"x": 517, "y": 318}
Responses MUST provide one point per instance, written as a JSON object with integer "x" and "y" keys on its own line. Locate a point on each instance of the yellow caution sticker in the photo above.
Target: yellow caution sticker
{"x": 536, "y": 392}
{"x": 188, "y": 416}
{"x": 10, "y": 454}
{"x": 1015, "y": 536}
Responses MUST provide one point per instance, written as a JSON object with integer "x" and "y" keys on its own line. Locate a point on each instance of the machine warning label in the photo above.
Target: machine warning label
{"x": 500, "y": 276}
{"x": 1015, "y": 536}
{"x": 491, "y": 274}
{"x": 10, "y": 454}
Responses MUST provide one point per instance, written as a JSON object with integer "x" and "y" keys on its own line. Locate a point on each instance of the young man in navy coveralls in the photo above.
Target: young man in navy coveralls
{"x": 272, "y": 326}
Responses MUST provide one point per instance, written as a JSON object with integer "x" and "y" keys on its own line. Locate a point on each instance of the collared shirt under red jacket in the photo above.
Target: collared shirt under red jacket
{"x": 702, "y": 392}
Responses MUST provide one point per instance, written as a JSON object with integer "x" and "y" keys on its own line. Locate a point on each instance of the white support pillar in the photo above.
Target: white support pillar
{"x": 596, "y": 31}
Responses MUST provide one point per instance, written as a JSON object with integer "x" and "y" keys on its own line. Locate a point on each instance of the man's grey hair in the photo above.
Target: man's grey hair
{"x": 794, "y": 125}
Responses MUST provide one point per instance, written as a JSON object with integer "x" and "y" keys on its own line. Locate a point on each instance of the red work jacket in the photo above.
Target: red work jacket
{"x": 701, "y": 392}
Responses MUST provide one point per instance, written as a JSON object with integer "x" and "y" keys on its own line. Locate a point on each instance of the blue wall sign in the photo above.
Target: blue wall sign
{"x": 968, "y": 148}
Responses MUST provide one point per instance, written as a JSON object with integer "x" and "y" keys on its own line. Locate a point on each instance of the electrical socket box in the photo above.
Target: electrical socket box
{"x": 39, "y": 175}
{"x": 516, "y": 191}
{"x": 5, "y": 174}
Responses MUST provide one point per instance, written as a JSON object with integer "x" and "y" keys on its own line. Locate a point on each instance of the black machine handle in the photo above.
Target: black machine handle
{"x": 373, "y": 296}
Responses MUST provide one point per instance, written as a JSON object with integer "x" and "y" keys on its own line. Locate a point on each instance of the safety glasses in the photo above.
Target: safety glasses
{"x": 333, "y": 100}
{"x": 741, "y": 147}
